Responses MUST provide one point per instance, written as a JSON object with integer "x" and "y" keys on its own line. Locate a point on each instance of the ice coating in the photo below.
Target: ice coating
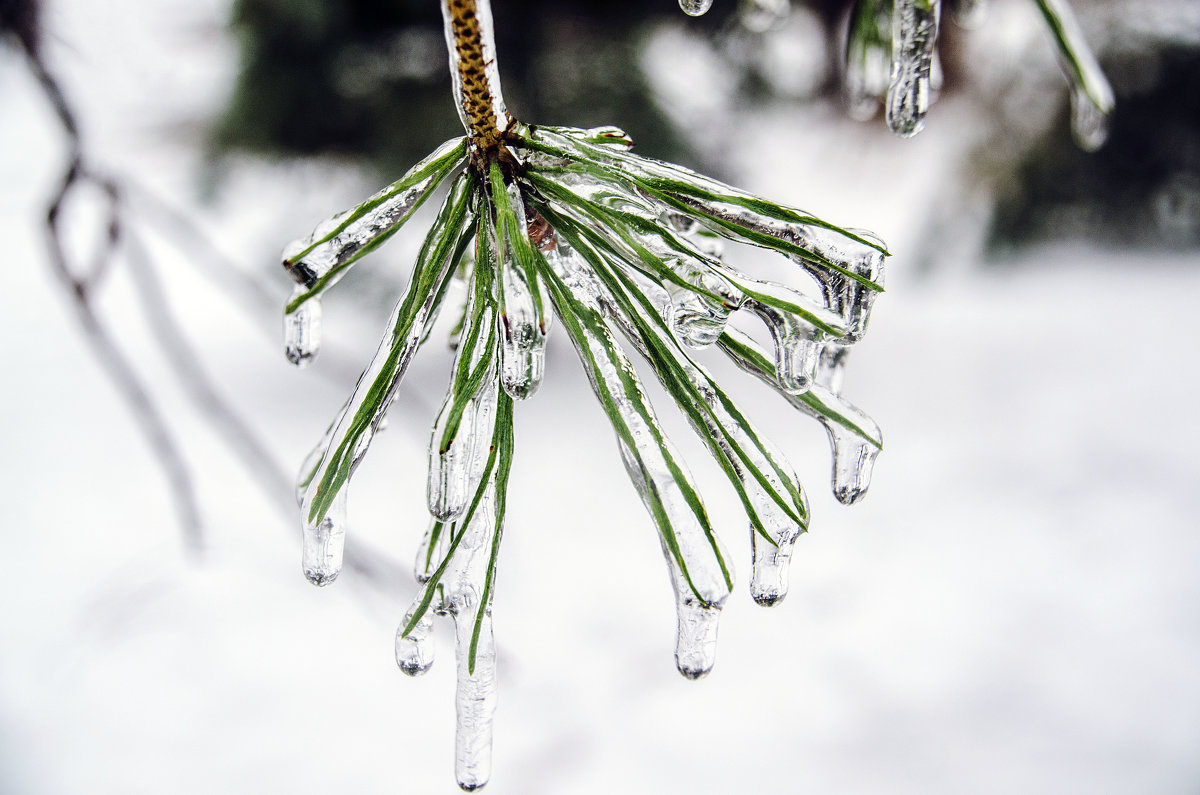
{"x": 698, "y": 567}
{"x": 868, "y": 58}
{"x": 455, "y": 467}
{"x": 797, "y": 346}
{"x": 769, "y": 487}
{"x": 770, "y": 564}
{"x": 319, "y": 261}
{"x": 695, "y": 8}
{"x": 414, "y": 651}
{"x": 474, "y": 697}
{"x": 325, "y": 543}
{"x": 474, "y": 74}
{"x": 853, "y": 461}
{"x": 831, "y": 366}
{"x": 855, "y": 439}
{"x": 700, "y": 295}
{"x": 434, "y": 546}
{"x": 914, "y": 36}
{"x": 522, "y": 326}
{"x": 695, "y": 317}
{"x": 1089, "y": 124}
{"x": 302, "y": 331}
{"x": 462, "y": 433}
{"x": 376, "y": 388}
{"x": 1092, "y": 97}
{"x": 695, "y": 634}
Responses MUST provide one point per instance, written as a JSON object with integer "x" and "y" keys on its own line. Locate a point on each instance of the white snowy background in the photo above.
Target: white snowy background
{"x": 1015, "y": 606}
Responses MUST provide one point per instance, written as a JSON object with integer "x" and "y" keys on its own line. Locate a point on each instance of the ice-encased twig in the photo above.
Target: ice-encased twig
{"x": 377, "y": 385}
{"x": 1092, "y": 97}
{"x": 700, "y": 573}
{"x": 474, "y": 73}
{"x": 914, "y": 37}
{"x": 765, "y": 482}
{"x": 523, "y": 322}
{"x": 854, "y": 437}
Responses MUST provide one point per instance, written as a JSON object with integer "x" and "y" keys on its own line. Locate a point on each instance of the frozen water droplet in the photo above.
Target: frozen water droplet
{"x": 853, "y": 460}
{"x": 797, "y": 346}
{"x": 324, "y": 542}
{"x": 759, "y": 16}
{"x": 302, "y": 331}
{"x": 1089, "y": 124}
{"x": 914, "y": 36}
{"x": 696, "y": 635}
{"x": 414, "y": 651}
{"x": 695, "y": 7}
{"x": 769, "y": 575}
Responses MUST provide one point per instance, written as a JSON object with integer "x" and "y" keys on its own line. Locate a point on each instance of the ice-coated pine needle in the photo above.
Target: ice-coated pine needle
{"x": 377, "y": 385}
{"x": 868, "y": 57}
{"x": 1092, "y": 97}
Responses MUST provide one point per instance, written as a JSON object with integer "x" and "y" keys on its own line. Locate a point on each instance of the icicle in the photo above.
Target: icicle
{"x": 797, "y": 346}
{"x": 474, "y": 700}
{"x": 868, "y": 58}
{"x": 696, "y": 635}
{"x": 914, "y": 36}
{"x": 854, "y": 438}
{"x": 769, "y": 575}
{"x": 853, "y": 460}
{"x": 969, "y": 14}
{"x": 455, "y": 470}
{"x": 1089, "y": 124}
{"x": 302, "y": 330}
{"x": 759, "y": 16}
{"x": 522, "y": 328}
{"x": 850, "y": 299}
{"x": 324, "y": 543}
{"x": 414, "y": 651}
{"x": 695, "y": 8}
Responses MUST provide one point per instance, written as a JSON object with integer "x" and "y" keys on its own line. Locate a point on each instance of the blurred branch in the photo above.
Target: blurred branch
{"x": 81, "y": 280}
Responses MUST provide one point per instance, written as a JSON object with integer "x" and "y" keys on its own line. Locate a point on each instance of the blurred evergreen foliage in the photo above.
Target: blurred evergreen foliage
{"x": 1142, "y": 187}
{"x": 369, "y": 78}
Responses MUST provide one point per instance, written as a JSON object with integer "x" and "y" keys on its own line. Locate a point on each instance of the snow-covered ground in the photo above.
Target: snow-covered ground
{"x": 1015, "y": 607}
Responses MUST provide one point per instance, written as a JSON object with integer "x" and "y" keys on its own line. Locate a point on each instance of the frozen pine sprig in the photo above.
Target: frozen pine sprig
{"x": 630, "y": 254}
